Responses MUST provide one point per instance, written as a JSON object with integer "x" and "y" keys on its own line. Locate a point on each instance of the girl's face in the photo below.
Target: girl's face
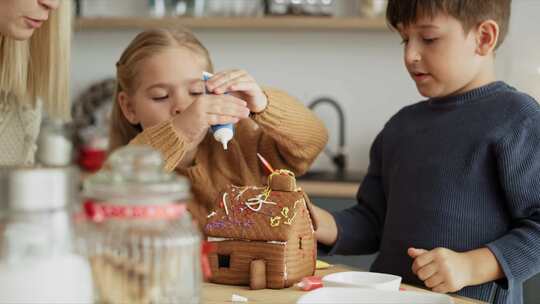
{"x": 166, "y": 84}
{"x": 20, "y": 18}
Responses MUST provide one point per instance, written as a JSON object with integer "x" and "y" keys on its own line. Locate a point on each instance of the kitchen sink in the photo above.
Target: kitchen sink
{"x": 333, "y": 176}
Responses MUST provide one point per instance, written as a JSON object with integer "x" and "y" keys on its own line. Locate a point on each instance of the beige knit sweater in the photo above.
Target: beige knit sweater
{"x": 19, "y": 129}
{"x": 286, "y": 133}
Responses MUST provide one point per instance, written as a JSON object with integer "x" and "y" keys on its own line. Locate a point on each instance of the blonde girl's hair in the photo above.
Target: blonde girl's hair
{"x": 38, "y": 68}
{"x": 143, "y": 46}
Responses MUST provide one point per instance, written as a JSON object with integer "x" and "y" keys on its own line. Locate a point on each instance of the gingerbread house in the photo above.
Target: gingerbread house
{"x": 264, "y": 236}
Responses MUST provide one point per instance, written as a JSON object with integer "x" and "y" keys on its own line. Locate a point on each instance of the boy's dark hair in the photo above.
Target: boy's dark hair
{"x": 468, "y": 12}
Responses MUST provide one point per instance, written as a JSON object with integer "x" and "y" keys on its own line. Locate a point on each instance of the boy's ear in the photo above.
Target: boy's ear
{"x": 127, "y": 108}
{"x": 487, "y": 35}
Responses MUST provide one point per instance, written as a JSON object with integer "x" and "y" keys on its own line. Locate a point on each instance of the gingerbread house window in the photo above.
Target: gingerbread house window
{"x": 300, "y": 243}
{"x": 224, "y": 260}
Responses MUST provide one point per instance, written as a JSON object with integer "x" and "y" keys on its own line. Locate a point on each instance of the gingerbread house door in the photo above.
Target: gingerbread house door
{"x": 257, "y": 274}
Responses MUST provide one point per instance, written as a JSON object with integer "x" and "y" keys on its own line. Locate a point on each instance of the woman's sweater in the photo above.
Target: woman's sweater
{"x": 19, "y": 129}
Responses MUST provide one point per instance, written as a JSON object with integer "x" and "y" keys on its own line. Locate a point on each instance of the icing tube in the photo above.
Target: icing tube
{"x": 222, "y": 133}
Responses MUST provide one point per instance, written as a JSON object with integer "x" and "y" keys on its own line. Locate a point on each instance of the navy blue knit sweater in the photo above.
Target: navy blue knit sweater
{"x": 460, "y": 172}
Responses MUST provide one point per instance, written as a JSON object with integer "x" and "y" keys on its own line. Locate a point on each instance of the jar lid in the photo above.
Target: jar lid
{"x": 135, "y": 175}
{"x": 37, "y": 189}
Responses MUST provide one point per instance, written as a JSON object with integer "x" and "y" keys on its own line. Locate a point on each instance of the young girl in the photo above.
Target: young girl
{"x": 35, "y": 39}
{"x": 160, "y": 102}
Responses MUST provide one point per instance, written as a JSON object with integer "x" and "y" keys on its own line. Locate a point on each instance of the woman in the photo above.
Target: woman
{"x": 35, "y": 38}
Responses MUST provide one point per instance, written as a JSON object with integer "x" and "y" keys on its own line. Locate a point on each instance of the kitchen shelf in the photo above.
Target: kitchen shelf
{"x": 249, "y": 23}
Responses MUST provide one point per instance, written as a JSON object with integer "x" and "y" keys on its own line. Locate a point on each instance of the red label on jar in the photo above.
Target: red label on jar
{"x": 99, "y": 211}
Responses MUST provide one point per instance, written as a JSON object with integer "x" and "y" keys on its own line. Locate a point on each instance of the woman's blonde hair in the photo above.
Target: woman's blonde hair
{"x": 39, "y": 67}
{"x": 145, "y": 45}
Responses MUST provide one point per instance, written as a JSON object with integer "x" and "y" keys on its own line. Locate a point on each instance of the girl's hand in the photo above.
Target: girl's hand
{"x": 209, "y": 110}
{"x": 240, "y": 84}
{"x": 442, "y": 269}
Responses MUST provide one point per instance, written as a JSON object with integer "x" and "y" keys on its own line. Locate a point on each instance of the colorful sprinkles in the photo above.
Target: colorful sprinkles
{"x": 238, "y": 205}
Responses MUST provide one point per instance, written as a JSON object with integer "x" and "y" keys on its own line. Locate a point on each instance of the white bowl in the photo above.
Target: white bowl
{"x": 335, "y": 295}
{"x": 362, "y": 279}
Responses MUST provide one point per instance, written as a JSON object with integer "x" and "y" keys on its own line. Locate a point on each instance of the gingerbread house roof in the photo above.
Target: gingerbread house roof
{"x": 256, "y": 214}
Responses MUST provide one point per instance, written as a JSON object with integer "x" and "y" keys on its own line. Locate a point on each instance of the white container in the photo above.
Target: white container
{"x": 38, "y": 259}
{"x": 362, "y": 279}
{"x": 64, "y": 278}
{"x": 335, "y": 295}
{"x": 54, "y": 144}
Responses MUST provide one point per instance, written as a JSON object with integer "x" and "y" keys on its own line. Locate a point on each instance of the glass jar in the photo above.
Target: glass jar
{"x": 142, "y": 244}
{"x": 38, "y": 259}
{"x": 54, "y": 144}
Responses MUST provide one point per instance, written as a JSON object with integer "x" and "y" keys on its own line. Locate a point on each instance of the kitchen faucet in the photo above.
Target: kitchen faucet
{"x": 339, "y": 158}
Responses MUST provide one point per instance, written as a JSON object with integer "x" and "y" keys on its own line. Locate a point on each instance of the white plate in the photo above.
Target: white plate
{"x": 342, "y": 295}
{"x": 363, "y": 279}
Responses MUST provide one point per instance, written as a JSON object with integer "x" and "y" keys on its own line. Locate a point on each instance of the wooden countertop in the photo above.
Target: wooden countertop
{"x": 215, "y": 293}
{"x": 345, "y": 190}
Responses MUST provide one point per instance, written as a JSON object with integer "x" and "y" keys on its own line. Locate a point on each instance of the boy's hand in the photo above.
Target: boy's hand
{"x": 209, "y": 110}
{"x": 326, "y": 232}
{"x": 240, "y": 84}
{"x": 441, "y": 269}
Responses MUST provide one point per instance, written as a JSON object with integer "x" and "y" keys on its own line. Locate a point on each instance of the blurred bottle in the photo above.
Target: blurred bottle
{"x": 302, "y": 7}
{"x": 162, "y": 8}
{"x": 93, "y": 148}
{"x": 38, "y": 258}
{"x": 234, "y": 8}
{"x": 182, "y": 7}
{"x": 54, "y": 144}
{"x": 372, "y": 8}
{"x": 277, "y": 7}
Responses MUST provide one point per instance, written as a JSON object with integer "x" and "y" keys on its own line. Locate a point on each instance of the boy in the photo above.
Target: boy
{"x": 452, "y": 196}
